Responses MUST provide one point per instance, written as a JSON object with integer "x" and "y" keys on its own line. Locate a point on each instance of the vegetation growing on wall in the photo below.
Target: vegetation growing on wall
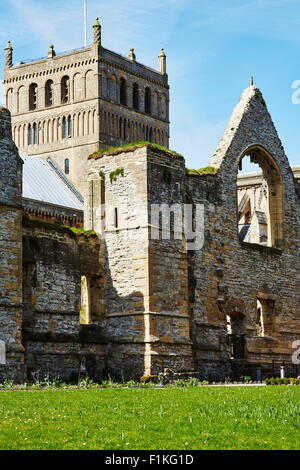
{"x": 113, "y": 175}
{"x": 133, "y": 146}
{"x": 73, "y": 231}
{"x": 208, "y": 170}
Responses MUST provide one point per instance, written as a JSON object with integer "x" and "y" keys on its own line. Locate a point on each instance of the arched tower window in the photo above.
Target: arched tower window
{"x": 35, "y": 133}
{"x": 123, "y": 97}
{"x": 67, "y": 166}
{"x": 64, "y": 128}
{"x": 135, "y": 96}
{"x": 147, "y": 100}
{"x": 33, "y": 96}
{"x": 29, "y": 134}
{"x": 65, "y": 89}
{"x": 260, "y": 204}
{"x": 9, "y": 99}
{"x": 69, "y": 126}
{"x": 49, "y": 93}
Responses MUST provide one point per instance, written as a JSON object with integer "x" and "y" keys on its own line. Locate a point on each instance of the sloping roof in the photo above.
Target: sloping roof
{"x": 43, "y": 182}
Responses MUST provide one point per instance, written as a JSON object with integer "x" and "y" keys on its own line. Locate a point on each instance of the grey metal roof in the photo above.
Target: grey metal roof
{"x": 41, "y": 182}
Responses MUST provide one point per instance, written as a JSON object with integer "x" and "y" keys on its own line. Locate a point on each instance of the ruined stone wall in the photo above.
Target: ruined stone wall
{"x": 126, "y": 253}
{"x": 55, "y": 342}
{"x": 12, "y": 364}
{"x": 231, "y": 276}
{"x": 147, "y": 314}
{"x": 168, "y": 267}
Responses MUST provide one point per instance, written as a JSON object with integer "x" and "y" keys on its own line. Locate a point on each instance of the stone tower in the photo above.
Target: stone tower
{"x": 147, "y": 277}
{"x": 71, "y": 104}
{"x": 11, "y": 349}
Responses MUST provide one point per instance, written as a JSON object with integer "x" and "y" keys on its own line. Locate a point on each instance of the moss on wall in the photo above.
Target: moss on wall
{"x": 131, "y": 147}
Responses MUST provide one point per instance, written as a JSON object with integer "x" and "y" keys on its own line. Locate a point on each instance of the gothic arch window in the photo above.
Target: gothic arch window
{"x": 260, "y": 207}
{"x": 123, "y": 97}
{"x": 67, "y": 166}
{"x": 33, "y": 96}
{"x": 49, "y": 93}
{"x": 65, "y": 89}
{"x": 135, "y": 96}
{"x": 147, "y": 100}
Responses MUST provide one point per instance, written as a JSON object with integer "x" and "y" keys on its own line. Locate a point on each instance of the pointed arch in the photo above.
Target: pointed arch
{"x": 271, "y": 173}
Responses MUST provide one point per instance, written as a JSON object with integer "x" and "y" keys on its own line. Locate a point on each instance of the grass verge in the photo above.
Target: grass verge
{"x": 165, "y": 419}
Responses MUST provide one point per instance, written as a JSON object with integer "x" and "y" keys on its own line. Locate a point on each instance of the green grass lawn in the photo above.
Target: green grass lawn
{"x": 154, "y": 419}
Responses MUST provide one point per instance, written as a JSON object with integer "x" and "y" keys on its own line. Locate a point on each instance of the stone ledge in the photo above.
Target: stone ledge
{"x": 268, "y": 250}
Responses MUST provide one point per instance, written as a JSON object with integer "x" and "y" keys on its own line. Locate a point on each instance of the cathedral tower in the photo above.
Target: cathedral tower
{"x": 69, "y": 105}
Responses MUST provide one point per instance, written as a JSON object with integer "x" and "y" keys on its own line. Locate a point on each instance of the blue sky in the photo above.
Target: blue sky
{"x": 212, "y": 49}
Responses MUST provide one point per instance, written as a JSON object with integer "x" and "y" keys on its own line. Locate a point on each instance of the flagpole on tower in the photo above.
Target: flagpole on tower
{"x": 85, "y": 23}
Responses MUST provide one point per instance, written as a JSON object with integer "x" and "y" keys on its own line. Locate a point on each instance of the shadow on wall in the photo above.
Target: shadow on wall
{"x": 54, "y": 339}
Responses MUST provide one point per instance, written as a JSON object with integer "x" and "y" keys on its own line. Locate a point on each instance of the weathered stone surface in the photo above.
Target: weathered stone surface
{"x": 224, "y": 308}
{"x": 10, "y": 252}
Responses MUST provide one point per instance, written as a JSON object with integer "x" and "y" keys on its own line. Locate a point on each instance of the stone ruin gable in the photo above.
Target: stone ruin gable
{"x": 146, "y": 279}
{"x": 10, "y": 253}
{"x": 54, "y": 259}
{"x": 229, "y": 276}
{"x": 251, "y": 126}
